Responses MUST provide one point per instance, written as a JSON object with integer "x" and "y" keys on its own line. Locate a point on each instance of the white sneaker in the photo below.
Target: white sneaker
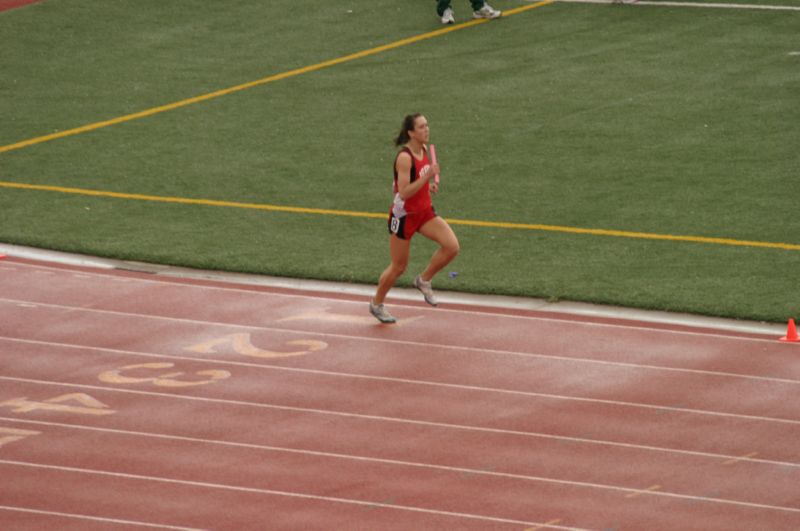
{"x": 487, "y": 11}
{"x": 381, "y": 314}
{"x": 447, "y": 16}
{"x": 427, "y": 291}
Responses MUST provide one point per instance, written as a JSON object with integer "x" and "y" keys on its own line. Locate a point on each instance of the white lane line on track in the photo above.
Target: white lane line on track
{"x": 403, "y": 342}
{"x": 564, "y": 438}
{"x": 351, "y": 457}
{"x": 706, "y": 5}
{"x": 550, "y": 396}
{"x": 580, "y": 321}
{"x": 94, "y": 518}
{"x": 658, "y": 493}
{"x": 531, "y": 434}
{"x": 376, "y": 418}
{"x": 255, "y": 490}
{"x": 426, "y": 383}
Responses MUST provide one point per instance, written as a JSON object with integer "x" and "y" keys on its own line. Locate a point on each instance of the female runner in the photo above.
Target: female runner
{"x": 412, "y": 212}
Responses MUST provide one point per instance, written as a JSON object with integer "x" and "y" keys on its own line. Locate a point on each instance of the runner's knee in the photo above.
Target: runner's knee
{"x": 398, "y": 268}
{"x": 452, "y": 248}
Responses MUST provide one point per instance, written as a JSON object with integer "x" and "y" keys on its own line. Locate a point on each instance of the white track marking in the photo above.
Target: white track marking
{"x": 378, "y": 418}
{"x": 656, "y": 407}
{"x": 94, "y": 518}
{"x": 426, "y": 345}
{"x": 172, "y": 282}
{"x": 538, "y": 435}
{"x": 427, "y": 383}
{"x": 352, "y": 457}
{"x": 270, "y": 492}
{"x": 657, "y": 493}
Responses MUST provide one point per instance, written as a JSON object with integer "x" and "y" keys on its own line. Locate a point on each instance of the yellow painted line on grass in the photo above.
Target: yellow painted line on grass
{"x": 626, "y": 234}
{"x": 264, "y": 81}
{"x": 382, "y": 215}
{"x": 189, "y": 201}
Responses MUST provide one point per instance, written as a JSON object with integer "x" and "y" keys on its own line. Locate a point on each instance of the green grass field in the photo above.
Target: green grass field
{"x": 648, "y": 119}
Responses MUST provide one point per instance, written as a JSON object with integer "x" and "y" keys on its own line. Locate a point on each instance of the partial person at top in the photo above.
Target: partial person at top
{"x": 480, "y": 9}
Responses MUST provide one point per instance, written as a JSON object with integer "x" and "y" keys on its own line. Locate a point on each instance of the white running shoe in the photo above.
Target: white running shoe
{"x": 381, "y": 314}
{"x": 447, "y": 16}
{"x": 487, "y": 11}
{"x": 427, "y": 291}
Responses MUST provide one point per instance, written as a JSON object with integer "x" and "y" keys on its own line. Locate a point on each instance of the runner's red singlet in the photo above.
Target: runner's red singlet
{"x": 408, "y": 215}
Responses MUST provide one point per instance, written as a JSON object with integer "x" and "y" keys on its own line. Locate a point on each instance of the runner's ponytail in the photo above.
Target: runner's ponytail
{"x": 408, "y": 125}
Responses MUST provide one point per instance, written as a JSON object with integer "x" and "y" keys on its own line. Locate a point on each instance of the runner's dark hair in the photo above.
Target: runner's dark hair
{"x": 408, "y": 125}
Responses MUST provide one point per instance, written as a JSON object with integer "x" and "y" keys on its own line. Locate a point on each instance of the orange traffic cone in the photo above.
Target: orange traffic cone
{"x": 791, "y": 333}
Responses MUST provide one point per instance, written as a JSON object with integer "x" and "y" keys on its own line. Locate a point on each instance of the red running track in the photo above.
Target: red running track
{"x": 133, "y": 401}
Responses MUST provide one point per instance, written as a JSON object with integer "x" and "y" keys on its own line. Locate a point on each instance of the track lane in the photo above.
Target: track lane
{"x": 394, "y": 376}
{"x": 254, "y": 307}
{"x": 468, "y": 366}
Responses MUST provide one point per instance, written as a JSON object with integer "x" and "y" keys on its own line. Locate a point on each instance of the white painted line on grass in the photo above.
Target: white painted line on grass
{"x": 766, "y": 7}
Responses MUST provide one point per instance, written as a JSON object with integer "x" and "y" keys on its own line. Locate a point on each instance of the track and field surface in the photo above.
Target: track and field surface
{"x": 630, "y": 155}
{"x": 129, "y": 400}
